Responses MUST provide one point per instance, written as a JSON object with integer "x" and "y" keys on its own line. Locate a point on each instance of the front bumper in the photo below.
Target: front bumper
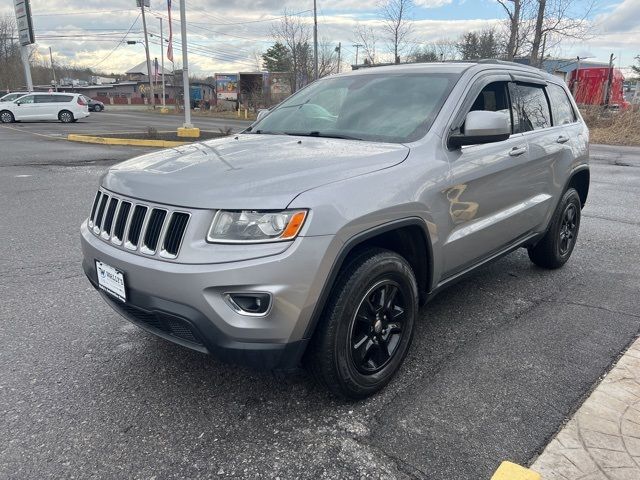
{"x": 184, "y": 303}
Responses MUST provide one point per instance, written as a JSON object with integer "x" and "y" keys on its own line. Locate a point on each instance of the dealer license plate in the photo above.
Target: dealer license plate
{"x": 111, "y": 280}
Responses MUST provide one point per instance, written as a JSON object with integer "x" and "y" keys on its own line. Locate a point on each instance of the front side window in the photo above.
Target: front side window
{"x": 530, "y": 108}
{"x": 493, "y": 98}
{"x": 375, "y": 107}
{"x": 26, "y": 100}
{"x": 561, "y": 107}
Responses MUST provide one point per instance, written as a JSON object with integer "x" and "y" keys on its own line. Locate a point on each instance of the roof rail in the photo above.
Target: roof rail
{"x": 506, "y": 62}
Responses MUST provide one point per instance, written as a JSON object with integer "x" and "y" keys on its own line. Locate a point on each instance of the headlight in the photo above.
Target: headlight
{"x": 255, "y": 227}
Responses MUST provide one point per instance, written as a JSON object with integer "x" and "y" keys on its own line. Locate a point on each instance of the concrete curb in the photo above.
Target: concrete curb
{"x": 134, "y": 142}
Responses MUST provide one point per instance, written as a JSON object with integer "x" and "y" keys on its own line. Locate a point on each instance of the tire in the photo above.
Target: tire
{"x": 97, "y": 108}
{"x": 347, "y": 353}
{"x": 6, "y": 117}
{"x": 555, "y": 248}
{"x": 65, "y": 116}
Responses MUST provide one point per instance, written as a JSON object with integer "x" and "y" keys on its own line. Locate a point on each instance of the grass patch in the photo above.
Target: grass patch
{"x": 613, "y": 128}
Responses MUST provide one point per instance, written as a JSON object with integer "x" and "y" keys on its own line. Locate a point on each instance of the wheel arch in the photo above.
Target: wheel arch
{"x": 580, "y": 180}
{"x": 407, "y": 237}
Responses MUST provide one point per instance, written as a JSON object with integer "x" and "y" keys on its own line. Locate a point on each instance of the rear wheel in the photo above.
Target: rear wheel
{"x": 6, "y": 117}
{"x": 556, "y": 246}
{"x": 97, "y": 108}
{"x": 368, "y": 325}
{"x": 65, "y": 116}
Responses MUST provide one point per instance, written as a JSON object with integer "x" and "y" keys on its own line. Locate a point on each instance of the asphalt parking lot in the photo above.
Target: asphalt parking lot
{"x": 499, "y": 361}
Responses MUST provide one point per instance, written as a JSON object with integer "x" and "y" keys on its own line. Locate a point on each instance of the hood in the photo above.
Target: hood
{"x": 247, "y": 171}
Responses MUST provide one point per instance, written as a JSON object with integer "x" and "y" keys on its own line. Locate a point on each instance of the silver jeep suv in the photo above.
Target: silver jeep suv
{"x": 314, "y": 236}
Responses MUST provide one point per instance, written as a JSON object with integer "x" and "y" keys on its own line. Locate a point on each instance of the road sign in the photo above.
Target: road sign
{"x": 25, "y": 24}
{"x": 147, "y": 3}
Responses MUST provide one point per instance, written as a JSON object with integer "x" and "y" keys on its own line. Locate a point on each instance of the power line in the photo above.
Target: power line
{"x": 119, "y": 43}
{"x": 80, "y": 12}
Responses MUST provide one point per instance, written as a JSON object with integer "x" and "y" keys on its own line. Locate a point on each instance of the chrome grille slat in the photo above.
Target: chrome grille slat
{"x": 152, "y": 233}
{"x": 172, "y": 240}
{"x": 138, "y": 227}
{"x": 122, "y": 220}
{"x": 94, "y": 207}
{"x": 107, "y": 223}
{"x": 100, "y": 214}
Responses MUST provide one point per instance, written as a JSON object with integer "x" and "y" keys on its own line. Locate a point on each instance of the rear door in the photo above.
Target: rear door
{"x": 549, "y": 148}
{"x": 44, "y": 107}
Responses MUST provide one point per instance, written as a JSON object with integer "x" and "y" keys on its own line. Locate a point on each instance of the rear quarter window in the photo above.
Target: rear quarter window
{"x": 63, "y": 98}
{"x": 561, "y": 108}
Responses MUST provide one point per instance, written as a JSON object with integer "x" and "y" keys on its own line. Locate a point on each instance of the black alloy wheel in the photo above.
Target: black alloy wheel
{"x": 376, "y": 328}
{"x": 568, "y": 229}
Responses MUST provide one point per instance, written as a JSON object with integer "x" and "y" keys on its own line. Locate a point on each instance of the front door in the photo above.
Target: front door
{"x": 493, "y": 198}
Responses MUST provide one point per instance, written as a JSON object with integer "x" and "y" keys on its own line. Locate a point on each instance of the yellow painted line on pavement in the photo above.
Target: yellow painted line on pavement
{"x": 134, "y": 142}
{"x": 513, "y": 471}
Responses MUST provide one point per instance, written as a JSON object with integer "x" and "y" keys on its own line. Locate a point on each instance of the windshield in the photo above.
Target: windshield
{"x": 394, "y": 108}
{"x": 11, "y": 96}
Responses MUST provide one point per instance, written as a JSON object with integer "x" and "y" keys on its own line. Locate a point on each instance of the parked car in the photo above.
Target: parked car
{"x": 314, "y": 236}
{"x": 94, "y": 105}
{"x": 10, "y": 97}
{"x": 65, "y": 107}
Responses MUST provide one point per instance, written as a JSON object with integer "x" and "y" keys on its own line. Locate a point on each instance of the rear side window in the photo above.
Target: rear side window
{"x": 43, "y": 99}
{"x": 561, "y": 107}
{"x": 62, "y": 98}
{"x": 530, "y": 108}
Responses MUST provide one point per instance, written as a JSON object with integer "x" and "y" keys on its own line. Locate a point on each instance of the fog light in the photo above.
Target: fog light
{"x": 249, "y": 303}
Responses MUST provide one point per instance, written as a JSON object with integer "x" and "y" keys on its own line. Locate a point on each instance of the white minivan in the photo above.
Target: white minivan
{"x": 65, "y": 107}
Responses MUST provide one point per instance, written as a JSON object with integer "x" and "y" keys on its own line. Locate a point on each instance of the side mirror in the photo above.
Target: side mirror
{"x": 482, "y": 127}
{"x": 263, "y": 112}
{"x": 18, "y": 103}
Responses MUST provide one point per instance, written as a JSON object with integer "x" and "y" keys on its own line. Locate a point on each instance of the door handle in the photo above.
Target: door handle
{"x": 517, "y": 151}
{"x": 562, "y": 139}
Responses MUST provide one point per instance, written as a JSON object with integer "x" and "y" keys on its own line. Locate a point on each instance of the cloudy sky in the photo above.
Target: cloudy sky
{"x": 226, "y": 36}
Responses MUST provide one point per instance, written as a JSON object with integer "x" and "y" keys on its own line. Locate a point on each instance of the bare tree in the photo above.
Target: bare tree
{"x": 519, "y": 25}
{"x": 556, "y": 20}
{"x": 295, "y": 34}
{"x": 366, "y": 37}
{"x": 397, "y": 24}
{"x": 327, "y": 58}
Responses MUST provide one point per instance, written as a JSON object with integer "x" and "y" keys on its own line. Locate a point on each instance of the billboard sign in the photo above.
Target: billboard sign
{"x": 24, "y": 22}
{"x": 227, "y": 86}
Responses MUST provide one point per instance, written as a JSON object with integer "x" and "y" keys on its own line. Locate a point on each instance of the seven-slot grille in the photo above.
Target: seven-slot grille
{"x": 138, "y": 227}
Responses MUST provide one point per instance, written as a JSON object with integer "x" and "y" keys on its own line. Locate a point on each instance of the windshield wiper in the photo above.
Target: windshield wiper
{"x": 317, "y": 133}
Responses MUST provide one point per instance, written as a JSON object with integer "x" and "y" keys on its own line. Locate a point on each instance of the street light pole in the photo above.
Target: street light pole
{"x": 146, "y": 49}
{"x": 185, "y": 65}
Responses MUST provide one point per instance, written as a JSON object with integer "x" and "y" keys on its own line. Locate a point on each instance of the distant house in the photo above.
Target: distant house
{"x": 139, "y": 73}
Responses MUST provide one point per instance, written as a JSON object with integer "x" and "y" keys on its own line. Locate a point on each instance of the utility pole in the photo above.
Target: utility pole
{"x": 315, "y": 40}
{"x": 186, "y": 97}
{"x": 357, "y": 46}
{"x": 53, "y": 71}
{"x": 607, "y": 92}
{"x": 146, "y": 49}
{"x": 162, "y": 59}
{"x": 339, "y": 49}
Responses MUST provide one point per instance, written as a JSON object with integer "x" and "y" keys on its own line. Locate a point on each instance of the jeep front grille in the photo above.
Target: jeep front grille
{"x": 139, "y": 227}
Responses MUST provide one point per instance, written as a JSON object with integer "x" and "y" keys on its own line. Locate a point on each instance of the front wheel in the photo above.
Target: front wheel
{"x": 368, "y": 325}
{"x": 65, "y": 116}
{"x": 97, "y": 108}
{"x": 6, "y": 117}
{"x": 556, "y": 246}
